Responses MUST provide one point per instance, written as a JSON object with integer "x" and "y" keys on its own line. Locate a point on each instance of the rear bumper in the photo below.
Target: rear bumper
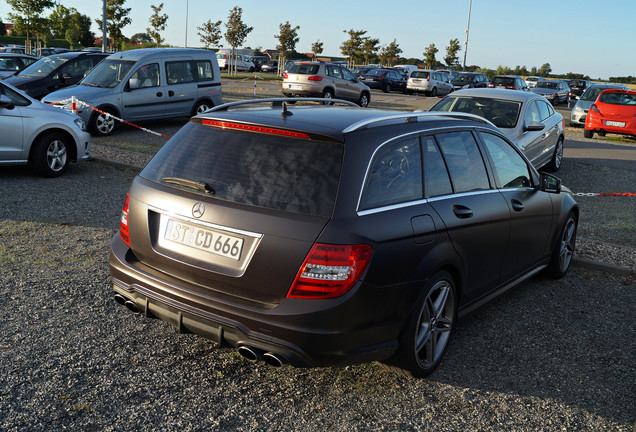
{"x": 359, "y": 327}
{"x": 597, "y": 124}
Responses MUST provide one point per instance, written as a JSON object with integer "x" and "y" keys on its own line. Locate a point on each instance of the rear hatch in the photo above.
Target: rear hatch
{"x": 301, "y": 73}
{"x": 233, "y": 212}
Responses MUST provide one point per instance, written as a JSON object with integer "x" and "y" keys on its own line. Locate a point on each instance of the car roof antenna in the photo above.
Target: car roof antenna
{"x": 285, "y": 112}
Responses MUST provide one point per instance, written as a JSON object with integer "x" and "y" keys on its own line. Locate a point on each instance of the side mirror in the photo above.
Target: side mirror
{"x": 5, "y": 102}
{"x": 134, "y": 83}
{"x": 533, "y": 126}
{"x": 66, "y": 76}
{"x": 550, "y": 183}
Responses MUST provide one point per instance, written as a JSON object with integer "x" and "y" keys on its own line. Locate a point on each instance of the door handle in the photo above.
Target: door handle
{"x": 159, "y": 94}
{"x": 170, "y": 93}
{"x": 517, "y": 205}
{"x": 462, "y": 212}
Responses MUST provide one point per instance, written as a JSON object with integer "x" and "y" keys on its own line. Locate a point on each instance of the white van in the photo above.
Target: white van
{"x": 243, "y": 62}
{"x": 144, "y": 84}
{"x": 407, "y": 69}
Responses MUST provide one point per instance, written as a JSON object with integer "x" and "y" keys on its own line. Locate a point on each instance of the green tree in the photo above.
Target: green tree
{"x": 352, "y": 48}
{"x": 452, "y": 51}
{"x": 3, "y": 30}
{"x": 141, "y": 38}
{"x": 545, "y": 70}
{"x": 389, "y": 52}
{"x": 157, "y": 23}
{"x": 83, "y": 24}
{"x": 72, "y": 36}
{"x": 236, "y": 30}
{"x": 28, "y": 18}
{"x": 429, "y": 56}
{"x": 370, "y": 50}
{"x": 59, "y": 20}
{"x": 116, "y": 18}
{"x": 287, "y": 38}
{"x": 210, "y": 34}
{"x": 317, "y": 47}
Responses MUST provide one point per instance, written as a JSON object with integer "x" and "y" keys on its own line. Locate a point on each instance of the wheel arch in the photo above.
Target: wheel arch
{"x": 206, "y": 99}
{"x": 72, "y": 149}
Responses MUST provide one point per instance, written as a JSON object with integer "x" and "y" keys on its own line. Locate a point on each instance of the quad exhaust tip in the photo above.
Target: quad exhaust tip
{"x": 254, "y": 355}
{"x": 127, "y": 303}
{"x": 274, "y": 360}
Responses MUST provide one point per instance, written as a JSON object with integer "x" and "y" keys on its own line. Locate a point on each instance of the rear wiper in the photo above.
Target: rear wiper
{"x": 196, "y": 185}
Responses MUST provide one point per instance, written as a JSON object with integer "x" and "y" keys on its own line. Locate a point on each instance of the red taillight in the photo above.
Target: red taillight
{"x": 314, "y": 78}
{"x": 491, "y": 85}
{"x": 511, "y": 87}
{"x": 330, "y": 270}
{"x": 123, "y": 223}
{"x": 285, "y": 76}
{"x": 253, "y": 128}
{"x": 594, "y": 108}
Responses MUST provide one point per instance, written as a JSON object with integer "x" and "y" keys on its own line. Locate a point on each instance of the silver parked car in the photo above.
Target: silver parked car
{"x": 36, "y": 133}
{"x": 11, "y": 63}
{"x": 556, "y": 91}
{"x": 527, "y": 119}
{"x": 431, "y": 83}
{"x": 579, "y": 112}
{"x": 532, "y": 81}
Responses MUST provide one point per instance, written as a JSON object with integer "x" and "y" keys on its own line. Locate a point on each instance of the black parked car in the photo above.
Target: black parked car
{"x": 384, "y": 79}
{"x": 328, "y": 235}
{"x": 578, "y": 86}
{"x": 470, "y": 80}
{"x": 55, "y": 72}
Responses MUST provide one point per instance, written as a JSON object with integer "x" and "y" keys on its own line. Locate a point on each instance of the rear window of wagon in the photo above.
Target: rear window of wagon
{"x": 280, "y": 173}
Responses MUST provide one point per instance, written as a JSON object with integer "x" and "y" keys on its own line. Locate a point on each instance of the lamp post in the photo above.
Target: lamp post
{"x": 104, "y": 39}
{"x": 185, "y": 44}
{"x": 470, "y": 5}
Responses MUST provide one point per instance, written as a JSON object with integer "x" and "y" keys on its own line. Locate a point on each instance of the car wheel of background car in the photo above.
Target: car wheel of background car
{"x": 201, "y": 107}
{"x": 557, "y": 157}
{"x": 588, "y": 133}
{"x": 434, "y": 92}
{"x": 103, "y": 124}
{"x": 564, "y": 249}
{"x": 410, "y": 91}
{"x": 555, "y": 100}
{"x": 50, "y": 154}
{"x": 427, "y": 331}
{"x": 364, "y": 100}
{"x": 327, "y": 94}
{"x": 387, "y": 88}
{"x": 251, "y": 69}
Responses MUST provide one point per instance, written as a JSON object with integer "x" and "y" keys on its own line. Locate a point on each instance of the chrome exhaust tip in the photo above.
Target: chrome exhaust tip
{"x": 250, "y": 353}
{"x": 120, "y": 299}
{"x": 274, "y": 360}
{"x": 132, "y": 306}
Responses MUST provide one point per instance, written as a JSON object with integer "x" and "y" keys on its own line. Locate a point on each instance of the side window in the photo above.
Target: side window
{"x": 346, "y": 74}
{"x": 436, "y": 180}
{"x": 179, "y": 72}
{"x": 511, "y": 170}
{"x": 544, "y": 110}
{"x": 395, "y": 175}
{"x": 532, "y": 113}
{"x": 329, "y": 71}
{"x": 336, "y": 72}
{"x": 204, "y": 70}
{"x": 15, "y": 97}
{"x": 464, "y": 162}
{"x": 76, "y": 69}
{"x": 145, "y": 76}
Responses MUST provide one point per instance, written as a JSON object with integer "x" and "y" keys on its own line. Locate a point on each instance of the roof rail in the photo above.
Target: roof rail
{"x": 414, "y": 116}
{"x": 277, "y": 102}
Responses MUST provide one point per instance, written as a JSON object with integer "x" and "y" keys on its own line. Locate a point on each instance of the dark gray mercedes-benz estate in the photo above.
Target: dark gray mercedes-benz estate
{"x": 320, "y": 235}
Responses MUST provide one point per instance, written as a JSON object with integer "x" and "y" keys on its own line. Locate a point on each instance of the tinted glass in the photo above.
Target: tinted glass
{"x": 465, "y": 78}
{"x": 43, "y": 67}
{"x": 304, "y": 69}
{"x": 510, "y": 168}
{"x": 548, "y": 85}
{"x": 419, "y": 74}
{"x": 502, "y": 113}
{"x": 464, "y": 161}
{"x": 15, "y": 97}
{"x": 147, "y": 76}
{"x": 204, "y": 70}
{"x": 436, "y": 180}
{"x": 395, "y": 175}
{"x": 377, "y": 72}
{"x": 615, "y": 98}
{"x": 76, "y": 69}
{"x": 503, "y": 81}
{"x": 179, "y": 72}
{"x": 294, "y": 175}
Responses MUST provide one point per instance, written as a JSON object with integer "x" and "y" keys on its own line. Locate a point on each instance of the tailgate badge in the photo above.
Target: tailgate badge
{"x": 198, "y": 209}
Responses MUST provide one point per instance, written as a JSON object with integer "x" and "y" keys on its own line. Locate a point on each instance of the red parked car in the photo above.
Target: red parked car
{"x": 613, "y": 112}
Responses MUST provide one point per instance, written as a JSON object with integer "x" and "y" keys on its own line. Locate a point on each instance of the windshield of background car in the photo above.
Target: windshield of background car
{"x": 548, "y": 85}
{"x": 577, "y": 83}
{"x": 464, "y": 78}
{"x": 377, "y": 72}
{"x": 420, "y": 74}
{"x": 502, "y": 113}
{"x": 616, "y": 98}
{"x": 108, "y": 73}
{"x": 503, "y": 81}
{"x": 43, "y": 67}
{"x": 304, "y": 69}
{"x": 289, "y": 174}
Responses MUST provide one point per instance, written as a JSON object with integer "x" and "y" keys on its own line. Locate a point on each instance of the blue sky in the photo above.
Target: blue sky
{"x": 581, "y": 36}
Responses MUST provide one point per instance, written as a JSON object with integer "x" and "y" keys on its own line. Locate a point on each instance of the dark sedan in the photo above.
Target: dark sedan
{"x": 468, "y": 80}
{"x": 384, "y": 79}
{"x": 554, "y": 91}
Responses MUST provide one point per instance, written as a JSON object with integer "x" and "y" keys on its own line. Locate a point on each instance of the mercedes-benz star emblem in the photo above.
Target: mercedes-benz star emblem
{"x": 198, "y": 209}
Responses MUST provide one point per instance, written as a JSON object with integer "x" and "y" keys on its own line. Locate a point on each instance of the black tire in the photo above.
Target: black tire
{"x": 387, "y": 88}
{"x": 410, "y": 91}
{"x": 427, "y": 331}
{"x": 251, "y": 69}
{"x": 434, "y": 92}
{"x": 201, "y": 107}
{"x": 555, "y": 100}
{"x": 564, "y": 248}
{"x": 327, "y": 94}
{"x": 588, "y": 133}
{"x": 50, "y": 154}
{"x": 103, "y": 124}
{"x": 557, "y": 157}
{"x": 364, "y": 100}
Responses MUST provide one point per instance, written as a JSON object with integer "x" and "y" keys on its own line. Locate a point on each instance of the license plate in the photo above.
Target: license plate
{"x": 416, "y": 80}
{"x": 614, "y": 123}
{"x": 204, "y": 239}
{"x": 295, "y": 87}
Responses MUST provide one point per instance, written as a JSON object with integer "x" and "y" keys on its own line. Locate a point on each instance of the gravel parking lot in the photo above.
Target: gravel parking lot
{"x": 547, "y": 356}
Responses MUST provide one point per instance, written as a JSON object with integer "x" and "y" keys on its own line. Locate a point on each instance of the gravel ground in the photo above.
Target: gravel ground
{"x": 535, "y": 359}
